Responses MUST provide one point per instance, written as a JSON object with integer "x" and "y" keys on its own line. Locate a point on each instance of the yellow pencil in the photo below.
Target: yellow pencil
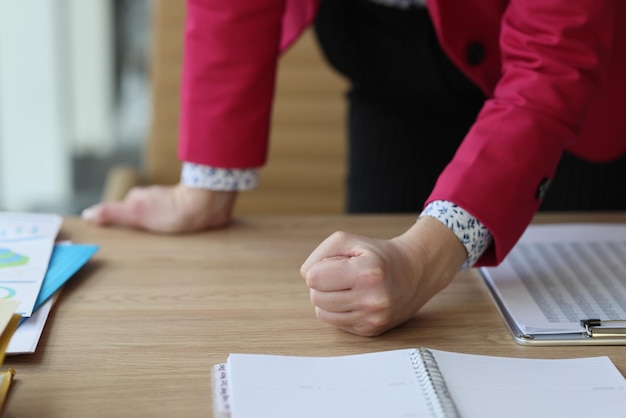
{"x": 7, "y": 378}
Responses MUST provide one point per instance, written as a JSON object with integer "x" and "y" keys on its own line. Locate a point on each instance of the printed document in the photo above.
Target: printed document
{"x": 558, "y": 275}
{"x": 26, "y": 242}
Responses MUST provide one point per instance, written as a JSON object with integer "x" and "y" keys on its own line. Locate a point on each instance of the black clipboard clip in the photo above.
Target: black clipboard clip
{"x": 599, "y": 328}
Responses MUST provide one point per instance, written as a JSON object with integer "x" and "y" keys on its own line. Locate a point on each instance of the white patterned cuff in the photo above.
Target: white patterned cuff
{"x": 204, "y": 177}
{"x": 474, "y": 235}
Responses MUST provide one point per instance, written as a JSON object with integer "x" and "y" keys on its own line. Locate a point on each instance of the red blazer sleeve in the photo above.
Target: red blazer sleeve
{"x": 554, "y": 56}
{"x": 231, "y": 49}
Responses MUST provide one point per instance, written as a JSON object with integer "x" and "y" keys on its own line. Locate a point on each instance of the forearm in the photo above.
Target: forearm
{"x": 231, "y": 51}
{"x": 553, "y": 61}
{"x": 470, "y": 232}
{"x": 436, "y": 256}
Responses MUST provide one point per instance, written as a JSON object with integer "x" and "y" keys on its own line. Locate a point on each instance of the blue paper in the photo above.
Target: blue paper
{"x": 65, "y": 261}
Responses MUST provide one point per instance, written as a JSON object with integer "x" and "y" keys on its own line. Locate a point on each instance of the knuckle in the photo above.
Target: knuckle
{"x": 135, "y": 193}
{"x": 339, "y": 236}
{"x": 372, "y": 326}
{"x": 138, "y": 208}
{"x": 379, "y": 303}
{"x": 375, "y": 303}
{"x": 373, "y": 276}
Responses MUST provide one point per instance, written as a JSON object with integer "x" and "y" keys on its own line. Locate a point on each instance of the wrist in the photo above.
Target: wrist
{"x": 435, "y": 252}
{"x": 204, "y": 207}
{"x": 474, "y": 236}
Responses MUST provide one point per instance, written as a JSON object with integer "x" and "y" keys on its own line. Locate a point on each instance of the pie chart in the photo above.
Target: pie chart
{"x": 9, "y": 258}
{"x": 7, "y": 292}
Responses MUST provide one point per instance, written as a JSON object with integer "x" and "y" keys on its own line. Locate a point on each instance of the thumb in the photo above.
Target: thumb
{"x": 339, "y": 245}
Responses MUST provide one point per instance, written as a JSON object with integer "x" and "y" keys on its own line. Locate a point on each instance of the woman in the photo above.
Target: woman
{"x": 461, "y": 109}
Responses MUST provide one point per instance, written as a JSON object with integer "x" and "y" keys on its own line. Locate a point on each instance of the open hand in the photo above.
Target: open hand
{"x": 166, "y": 209}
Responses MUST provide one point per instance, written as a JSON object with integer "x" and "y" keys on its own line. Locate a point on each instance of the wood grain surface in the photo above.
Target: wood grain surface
{"x": 136, "y": 331}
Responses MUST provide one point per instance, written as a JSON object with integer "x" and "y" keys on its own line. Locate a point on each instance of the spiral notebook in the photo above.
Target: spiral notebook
{"x": 417, "y": 382}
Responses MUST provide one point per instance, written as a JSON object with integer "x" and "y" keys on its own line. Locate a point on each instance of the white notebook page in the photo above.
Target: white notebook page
{"x": 369, "y": 385}
{"x": 385, "y": 385}
{"x": 495, "y": 387}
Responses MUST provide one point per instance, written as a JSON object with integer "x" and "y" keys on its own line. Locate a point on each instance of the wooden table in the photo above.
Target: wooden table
{"x": 136, "y": 331}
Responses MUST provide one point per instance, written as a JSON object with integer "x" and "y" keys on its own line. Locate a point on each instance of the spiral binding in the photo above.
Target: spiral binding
{"x": 434, "y": 386}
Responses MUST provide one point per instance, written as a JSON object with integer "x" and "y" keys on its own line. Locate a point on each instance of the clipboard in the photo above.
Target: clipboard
{"x": 563, "y": 284}
{"x": 592, "y": 331}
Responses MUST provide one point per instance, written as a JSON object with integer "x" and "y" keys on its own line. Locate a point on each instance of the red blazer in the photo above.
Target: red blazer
{"x": 554, "y": 72}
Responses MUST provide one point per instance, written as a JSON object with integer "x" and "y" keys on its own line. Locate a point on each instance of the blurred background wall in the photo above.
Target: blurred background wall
{"x": 74, "y": 96}
{"x": 89, "y": 86}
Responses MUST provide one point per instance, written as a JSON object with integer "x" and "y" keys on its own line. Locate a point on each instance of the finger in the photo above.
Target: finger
{"x": 332, "y": 274}
{"x": 338, "y": 319}
{"x": 341, "y": 301}
{"x": 339, "y": 244}
{"x": 94, "y": 214}
{"x": 120, "y": 213}
{"x": 370, "y": 301}
{"x": 356, "y": 322}
{"x": 353, "y": 322}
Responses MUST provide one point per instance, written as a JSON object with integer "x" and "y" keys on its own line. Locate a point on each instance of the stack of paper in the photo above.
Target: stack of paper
{"x": 33, "y": 268}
